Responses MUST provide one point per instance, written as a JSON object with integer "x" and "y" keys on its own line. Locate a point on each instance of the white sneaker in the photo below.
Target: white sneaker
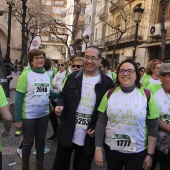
{"x": 34, "y": 152}
{"x": 19, "y": 151}
{"x": 46, "y": 150}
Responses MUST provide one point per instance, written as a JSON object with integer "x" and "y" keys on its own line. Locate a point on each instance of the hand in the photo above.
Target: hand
{"x": 55, "y": 86}
{"x": 59, "y": 110}
{"x": 91, "y": 132}
{"x": 4, "y": 133}
{"x": 98, "y": 156}
{"x": 18, "y": 125}
{"x": 147, "y": 163}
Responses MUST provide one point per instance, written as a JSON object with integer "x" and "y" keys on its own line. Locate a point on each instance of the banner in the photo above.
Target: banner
{"x": 35, "y": 44}
{"x": 71, "y": 50}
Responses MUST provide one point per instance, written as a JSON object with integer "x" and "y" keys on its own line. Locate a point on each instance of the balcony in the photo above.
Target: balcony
{"x": 128, "y": 36}
{"x": 103, "y": 14}
{"x": 117, "y": 5}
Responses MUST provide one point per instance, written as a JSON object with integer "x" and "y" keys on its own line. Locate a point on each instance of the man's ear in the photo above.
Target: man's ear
{"x": 161, "y": 78}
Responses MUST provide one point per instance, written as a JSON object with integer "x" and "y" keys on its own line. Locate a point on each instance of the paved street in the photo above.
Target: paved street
{"x": 10, "y": 145}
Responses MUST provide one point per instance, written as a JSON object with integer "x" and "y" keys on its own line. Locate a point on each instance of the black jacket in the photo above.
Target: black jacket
{"x": 70, "y": 98}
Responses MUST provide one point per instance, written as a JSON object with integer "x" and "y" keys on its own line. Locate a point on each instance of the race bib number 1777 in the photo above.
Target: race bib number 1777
{"x": 122, "y": 142}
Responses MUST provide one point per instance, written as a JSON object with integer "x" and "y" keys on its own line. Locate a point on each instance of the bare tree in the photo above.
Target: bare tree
{"x": 163, "y": 29}
{"x": 28, "y": 15}
{"x": 119, "y": 28}
{"x": 63, "y": 31}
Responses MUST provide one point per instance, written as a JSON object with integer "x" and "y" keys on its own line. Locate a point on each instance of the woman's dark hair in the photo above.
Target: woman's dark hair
{"x": 141, "y": 68}
{"x": 48, "y": 64}
{"x": 137, "y": 81}
{"x": 35, "y": 52}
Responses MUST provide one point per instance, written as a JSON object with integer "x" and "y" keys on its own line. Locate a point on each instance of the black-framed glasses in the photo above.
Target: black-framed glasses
{"x": 77, "y": 66}
{"x": 92, "y": 58}
{"x": 60, "y": 65}
{"x": 128, "y": 71}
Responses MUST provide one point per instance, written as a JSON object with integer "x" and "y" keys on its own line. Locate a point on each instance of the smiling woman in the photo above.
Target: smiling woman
{"x": 152, "y": 70}
{"x": 36, "y": 58}
{"x": 122, "y": 123}
{"x": 32, "y": 106}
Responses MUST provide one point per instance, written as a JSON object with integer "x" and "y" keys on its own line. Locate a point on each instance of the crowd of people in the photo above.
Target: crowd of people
{"x": 93, "y": 109}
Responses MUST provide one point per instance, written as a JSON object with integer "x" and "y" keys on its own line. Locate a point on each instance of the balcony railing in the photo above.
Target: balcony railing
{"x": 116, "y": 5}
{"x": 128, "y": 36}
{"x": 103, "y": 14}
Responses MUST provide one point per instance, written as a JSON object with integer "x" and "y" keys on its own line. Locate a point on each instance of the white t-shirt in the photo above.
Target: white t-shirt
{"x": 36, "y": 87}
{"x": 126, "y": 129}
{"x": 85, "y": 108}
{"x": 163, "y": 102}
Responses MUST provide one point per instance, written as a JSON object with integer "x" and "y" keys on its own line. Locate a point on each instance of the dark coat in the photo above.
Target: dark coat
{"x": 70, "y": 98}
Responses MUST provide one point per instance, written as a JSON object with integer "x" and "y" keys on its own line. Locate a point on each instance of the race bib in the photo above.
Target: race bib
{"x": 166, "y": 119}
{"x": 41, "y": 88}
{"x": 82, "y": 120}
{"x": 122, "y": 142}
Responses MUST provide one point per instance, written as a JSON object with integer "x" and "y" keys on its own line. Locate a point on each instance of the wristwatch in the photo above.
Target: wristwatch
{"x": 151, "y": 155}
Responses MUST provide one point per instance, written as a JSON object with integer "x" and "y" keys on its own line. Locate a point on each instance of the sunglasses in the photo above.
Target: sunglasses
{"x": 77, "y": 66}
{"x": 60, "y": 65}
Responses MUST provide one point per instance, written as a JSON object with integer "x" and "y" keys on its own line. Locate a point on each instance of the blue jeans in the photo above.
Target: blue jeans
{"x": 34, "y": 129}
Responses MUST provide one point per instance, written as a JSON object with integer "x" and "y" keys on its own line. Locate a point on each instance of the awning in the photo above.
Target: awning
{"x": 145, "y": 45}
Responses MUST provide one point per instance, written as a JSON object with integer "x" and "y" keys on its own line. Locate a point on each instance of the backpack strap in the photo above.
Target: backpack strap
{"x": 148, "y": 95}
{"x": 110, "y": 92}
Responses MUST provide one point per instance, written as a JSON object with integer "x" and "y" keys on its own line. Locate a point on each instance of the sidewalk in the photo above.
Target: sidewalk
{"x": 10, "y": 144}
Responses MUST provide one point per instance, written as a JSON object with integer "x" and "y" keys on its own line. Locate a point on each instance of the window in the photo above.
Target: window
{"x": 46, "y": 2}
{"x": 95, "y": 35}
{"x": 167, "y": 12}
{"x": 45, "y": 38}
{"x": 168, "y": 8}
{"x": 59, "y": 3}
{"x": 118, "y": 20}
{"x": 43, "y": 46}
{"x": 90, "y": 19}
{"x": 83, "y": 10}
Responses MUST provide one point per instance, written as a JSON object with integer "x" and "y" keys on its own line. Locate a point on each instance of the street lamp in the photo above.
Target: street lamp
{"x": 138, "y": 11}
{"x": 10, "y": 4}
{"x": 86, "y": 39}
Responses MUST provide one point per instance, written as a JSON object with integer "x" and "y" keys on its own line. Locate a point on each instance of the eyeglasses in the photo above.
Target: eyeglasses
{"x": 92, "y": 58}
{"x": 77, "y": 66}
{"x": 39, "y": 58}
{"x": 129, "y": 71}
{"x": 60, "y": 65}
